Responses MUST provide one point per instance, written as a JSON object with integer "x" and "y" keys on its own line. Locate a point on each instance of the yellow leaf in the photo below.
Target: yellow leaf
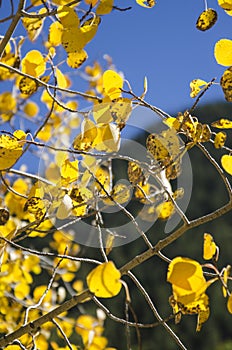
{"x": 187, "y": 279}
{"x": 33, "y": 26}
{"x": 226, "y": 161}
{"x": 21, "y": 290}
{"x": 102, "y": 176}
{"x": 69, "y": 171}
{"x": 76, "y": 59}
{"x": 226, "y": 84}
{"x": 225, "y": 275}
{"x": 112, "y": 84}
{"x": 55, "y": 33}
{"x": 31, "y": 109}
{"x": 37, "y": 207}
{"x": 89, "y": 29}
{"x": 10, "y": 150}
{"x": 209, "y": 247}
{"x": 223, "y": 52}
{"x": 108, "y": 138}
{"x": 80, "y": 198}
{"x": 165, "y": 210}
{"x": 8, "y": 106}
{"x": 61, "y": 79}
{"x": 104, "y": 280}
{"x": 220, "y": 139}
{"x": 27, "y": 86}
{"x": 120, "y": 194}
{"x": 135, "y": 173}
{"x": 225, "y": 4}
{"x": 68, "y": 17}
{"x": 229, "y": 304}
{"x": 84, "y": 141}
{"x": 33, "y": 63}
{"x": 65, "y": 208}
{"x": 222, "y": 124}
{"x": 104, "y": 7}
{"x": 206, "y": 19}
{"x": 146, "y": 3}
{"x": 196, "y": 86}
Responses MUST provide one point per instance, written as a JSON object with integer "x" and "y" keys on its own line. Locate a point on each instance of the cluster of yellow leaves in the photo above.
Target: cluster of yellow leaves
{"x": 188, "y": 287}
{"x": 90, "y": 329}
{"x": 73, "y": 35}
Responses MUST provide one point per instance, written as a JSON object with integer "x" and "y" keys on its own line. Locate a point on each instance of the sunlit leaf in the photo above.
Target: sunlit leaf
{"x": 8, "y": 105}
{"x": 108, "y": 138}
{"x": 206, "y": 19}
{"x": 225, "y": 275}
{"x": 135, "y": 173}
{"x": 187, "y": 279}
{"x": 33, "y": 63}
{"x": 165, "y": 210}
{"x": 27, "y": 86}
{"x": 102, "y": 179}
{"x": 10, "y": 150}
{"x": 209, "y": 247}
{"x": 223, "y": 52}
{"x": 119, "y": 194}
{"x": 33, "y": 26}
{"x": 112, "y": 84}
{"x": 220, "y": 139}
{"x": 84, "y": 141}
{"x": 196, "y": 86}
{"x": 69, "y": 171}
{"x": 104, "y": 280}
{"x": 229, "y": 304}
{"x": 146, "y": 3}
{"x": 55, "y": 33}
{"x": 21, "y": 290}
{"x": 31, "y": 109}
{"x": 65, "y": 208}
{"x": 104, "y": 7}
{"x": 76, "y": 59}
{"x": 68, "y": 17}
{"x": 36, "y": 206}
{"x": 222, "y": 124}
{"x": 226, "y": 84}
{"x": 226, "y": 161}
{"x": 225, "y": 4}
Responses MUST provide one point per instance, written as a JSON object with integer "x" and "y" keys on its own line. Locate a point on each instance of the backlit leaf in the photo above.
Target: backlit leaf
{"x": 187, "y": 279}
{"x": 226, "y": 84}
{"x": 55, "y": 33}
{"x": 223, "y": 52}
{"x": 229, "y": 304}
{"x": 112, "y": 84}
{"x": 220, "y": 139}
{"x": 33, "y": 26}
{"x": 146, "y": 3}
{"x": 10, "y": 150}
{"x": 225, "y": 275}
{"x": 84, "y": 141}
{"x": 33, "y": 63}
{"x": 104, "y": 7}
{"x": 225, "y": 4}
{"x": 108, "y": 138}
{"x": 165, "y": 210}
{"x": 68, "y": 17}
{"x": 222, "y": 124}
{"x": 226, "y": 161}
{"x": 31, "y": 109}
{"x": 104, "y": 280}
{"x": 196, "y": 86}
{"x": 206, "y": 19}
{"x": 209, "y": 247}
{"x": 27, "y": 86}
{"x": 69, "y": 171}
{"x": 76, "y": 59}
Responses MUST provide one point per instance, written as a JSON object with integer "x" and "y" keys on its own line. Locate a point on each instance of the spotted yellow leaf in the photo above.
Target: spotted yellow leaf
{"x": 4, "y": 216}
{"x": 209, "y": 247}
{"x": 104, "y": 7}
{"x": 223, "y": 52}
{"x": 226, "y": 161}
{"x": 112, "y": 84}
{"x": 84, "y": 141}
{"x": 36, "y": 206}
{"x": 33, "y": 26}
{"x": 10, "y": 150}
{"x": 76, "y": 59}
{"x": 146, "y": 3}
{"x": 187, "y": 279}
{"x": 226, "y": 84}
{"x": 135, "y": 173}
{"x": 222, "y": 124}
{"x": 104, "y": 280}
{"x": 225, "y": 4}
{"x": 196, "y": 86}
{"x": 27, "y": 86}
{"x": 220, "y": 139}
{"x": 206, "y": 19}
{"x": 33, "y": 63}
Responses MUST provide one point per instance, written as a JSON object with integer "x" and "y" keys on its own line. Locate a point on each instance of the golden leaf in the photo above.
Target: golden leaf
{"x": 226, "y": 84}
{"x": 104, "y": 280}
{"x": 206, "y": 19}
{"x": 226, "y": 161}
{"x": 209, "y": 247}
{"x": 223, "y": 52}
{"x": 220, "y": 139}
{"x": 222, "y": 124}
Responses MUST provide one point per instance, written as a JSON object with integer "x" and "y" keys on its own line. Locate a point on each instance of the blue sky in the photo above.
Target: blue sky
{"x": 163, "y": 44}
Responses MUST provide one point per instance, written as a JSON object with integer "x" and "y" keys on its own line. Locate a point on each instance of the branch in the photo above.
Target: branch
{"x": 11, "y": 29}
{"x": 33, "y": 326}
